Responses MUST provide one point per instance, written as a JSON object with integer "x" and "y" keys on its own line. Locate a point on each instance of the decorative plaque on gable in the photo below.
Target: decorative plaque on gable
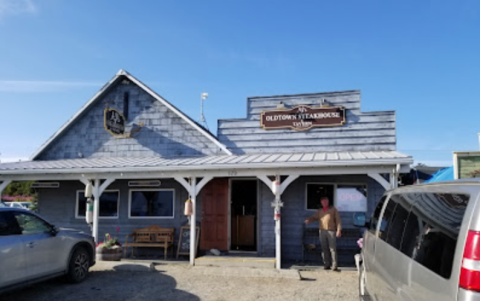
{"x": 303, "y": 117}
{"x": 114, "y": 122}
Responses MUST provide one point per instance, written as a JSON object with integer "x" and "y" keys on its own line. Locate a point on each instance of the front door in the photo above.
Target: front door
{"x": 214, "y": 227}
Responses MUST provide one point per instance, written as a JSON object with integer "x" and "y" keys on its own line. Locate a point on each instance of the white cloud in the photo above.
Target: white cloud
{"x": 35, "y": 86}
{"x": 16, "y": 7}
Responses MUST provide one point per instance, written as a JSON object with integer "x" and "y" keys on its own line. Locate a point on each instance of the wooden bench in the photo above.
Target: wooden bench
{"x": 151, "y": 236}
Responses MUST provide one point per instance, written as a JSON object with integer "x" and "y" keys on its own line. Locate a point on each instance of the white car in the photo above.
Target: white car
{"x": 34, "y": 250}
{"x": 19, "y": 205}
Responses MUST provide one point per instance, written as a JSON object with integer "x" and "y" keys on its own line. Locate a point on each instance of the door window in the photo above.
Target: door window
{"x": 30, "y": 224}
{"x": 8, "y": 224}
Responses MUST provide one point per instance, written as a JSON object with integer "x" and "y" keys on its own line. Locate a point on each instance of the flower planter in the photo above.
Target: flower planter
{"x": 105, "y": 254}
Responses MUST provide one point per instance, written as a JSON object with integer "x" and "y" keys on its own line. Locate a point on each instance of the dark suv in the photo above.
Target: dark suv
{"x": 33, "y": 250}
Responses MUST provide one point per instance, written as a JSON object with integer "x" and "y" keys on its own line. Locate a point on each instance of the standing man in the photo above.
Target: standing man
{"x": 330, "y": 227}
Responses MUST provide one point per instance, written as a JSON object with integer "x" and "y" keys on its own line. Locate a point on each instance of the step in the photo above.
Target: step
{"x": 235, "y": 261}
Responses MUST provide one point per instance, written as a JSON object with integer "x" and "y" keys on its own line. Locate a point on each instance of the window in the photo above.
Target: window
{"x": 351, "y": 198}
{"x": 30, "y": 224}
{"x": 410, "y": 236}
{"x": 397, "y": 224}
{"x": 152, "y": 203}
{"x": 108, "y": 204}
{"x": 439, "y": 217}
{"x": 315, "y": 192}
{"x": 385, "y": 223}
{"x": 346, "y": 197}
{"x": 8, "y": 224}
{"x": 376, "y": 215}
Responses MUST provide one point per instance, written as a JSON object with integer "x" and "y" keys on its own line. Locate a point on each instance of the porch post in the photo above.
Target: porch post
{"x": 277, "y": 189}
{"x": 193, "y": 189}
{"x": 278, "y": 235}
{"x": 97, "y": 192}
{"x": 96, "y": 208}
{"x": 193, "y": 220}
{"x": 3, "y": 185}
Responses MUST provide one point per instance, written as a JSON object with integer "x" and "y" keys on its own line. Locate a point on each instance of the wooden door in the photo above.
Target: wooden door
{"x": 214, "y": 226}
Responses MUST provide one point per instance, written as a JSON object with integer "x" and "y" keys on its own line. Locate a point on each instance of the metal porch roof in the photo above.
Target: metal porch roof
{"x": 216, "y": 162}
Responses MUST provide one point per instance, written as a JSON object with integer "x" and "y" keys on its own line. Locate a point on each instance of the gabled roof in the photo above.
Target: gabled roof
{"x": 105, "y": 88}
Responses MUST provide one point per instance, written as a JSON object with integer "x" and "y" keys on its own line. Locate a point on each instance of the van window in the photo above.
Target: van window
{"x": 438, "y": 218}
{"x": 385, "y": 224}
{"x": 397, "y": 222}
{"x": 376, "y": 215}
{"x": 410, "y": 236}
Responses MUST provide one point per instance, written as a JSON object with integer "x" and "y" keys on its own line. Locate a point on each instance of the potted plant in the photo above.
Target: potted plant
{"x": 110, "y": 249}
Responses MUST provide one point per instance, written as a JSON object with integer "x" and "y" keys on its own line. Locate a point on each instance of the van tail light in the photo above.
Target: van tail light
{"x": 470, "y": 272}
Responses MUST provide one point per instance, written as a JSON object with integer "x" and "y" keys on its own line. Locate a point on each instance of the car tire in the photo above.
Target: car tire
{"x": 362, "y": 290}
{"x": 78, "y": 265}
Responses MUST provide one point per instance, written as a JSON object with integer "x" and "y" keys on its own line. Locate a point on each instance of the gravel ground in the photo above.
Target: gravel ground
{"x": 182, "y": 282}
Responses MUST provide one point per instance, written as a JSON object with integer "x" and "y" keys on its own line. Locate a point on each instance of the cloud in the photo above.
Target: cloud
{"x": 35, "y": 86}
{"x": 16, "y": 7}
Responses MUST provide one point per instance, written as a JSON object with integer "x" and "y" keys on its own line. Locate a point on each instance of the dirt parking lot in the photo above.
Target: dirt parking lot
{"x": 182, "y": 282}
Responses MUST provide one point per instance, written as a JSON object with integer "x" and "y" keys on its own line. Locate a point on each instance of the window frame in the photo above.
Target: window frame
{"x": 130, "y": 191}
{"x": 77, "y": 216}
{"x": 335, "y": 187}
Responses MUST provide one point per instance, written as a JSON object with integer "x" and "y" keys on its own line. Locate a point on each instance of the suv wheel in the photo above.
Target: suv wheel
{"x": 78, "y": 265}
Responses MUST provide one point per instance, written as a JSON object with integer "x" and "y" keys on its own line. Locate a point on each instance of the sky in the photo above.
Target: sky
{"x": 420, "y": 59}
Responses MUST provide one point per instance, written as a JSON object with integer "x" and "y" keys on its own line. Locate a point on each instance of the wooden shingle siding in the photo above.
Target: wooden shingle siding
{"x": 164, "y": 133}
{"x": 363, "y": 131}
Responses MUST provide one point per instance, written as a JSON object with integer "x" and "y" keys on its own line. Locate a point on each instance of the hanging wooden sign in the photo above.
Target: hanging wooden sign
{"x": 303, "y": 117}
{"x": 114, "y": 122}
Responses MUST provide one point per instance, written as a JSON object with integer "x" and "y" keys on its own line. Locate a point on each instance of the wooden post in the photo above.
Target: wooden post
{"x": 193, "y": 223}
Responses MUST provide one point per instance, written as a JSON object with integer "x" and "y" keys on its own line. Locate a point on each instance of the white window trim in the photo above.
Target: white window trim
{"x": 150, "y": 217}
{"x": 335, "y": 186}
{"x": 100, "y": 217}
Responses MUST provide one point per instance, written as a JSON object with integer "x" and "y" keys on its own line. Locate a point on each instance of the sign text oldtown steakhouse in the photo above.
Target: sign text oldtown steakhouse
{"x": 303, "y": 117}
{"x": 114, "y": 122}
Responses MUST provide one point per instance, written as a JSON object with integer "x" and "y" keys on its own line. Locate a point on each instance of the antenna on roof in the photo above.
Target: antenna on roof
{"x": 202, "y": 120}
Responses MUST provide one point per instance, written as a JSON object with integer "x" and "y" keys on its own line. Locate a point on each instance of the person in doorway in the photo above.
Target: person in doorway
{"x": 330, "y": 227}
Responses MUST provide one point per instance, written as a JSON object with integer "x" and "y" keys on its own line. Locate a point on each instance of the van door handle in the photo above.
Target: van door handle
{"x": 31, "y": 244}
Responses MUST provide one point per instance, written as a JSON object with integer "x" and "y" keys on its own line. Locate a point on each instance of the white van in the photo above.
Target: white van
{"x": 423, "y": 243}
